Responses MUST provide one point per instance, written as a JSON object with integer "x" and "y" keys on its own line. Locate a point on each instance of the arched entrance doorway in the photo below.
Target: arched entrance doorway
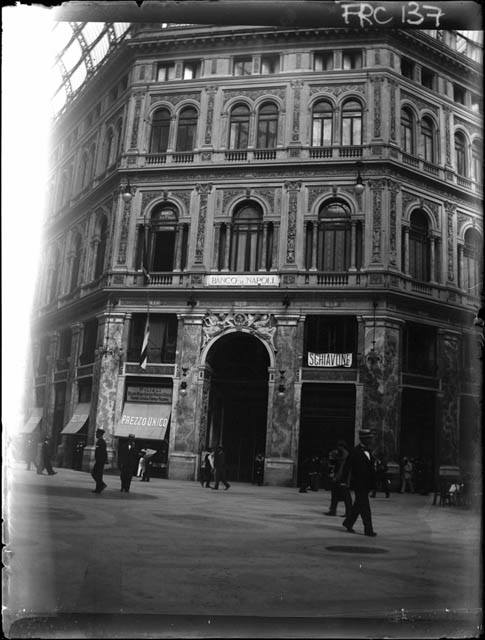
{"x": 238, "y": 401}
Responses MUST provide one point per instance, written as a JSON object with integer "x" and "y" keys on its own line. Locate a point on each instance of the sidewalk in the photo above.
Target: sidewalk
{"x": 172, "y": 559}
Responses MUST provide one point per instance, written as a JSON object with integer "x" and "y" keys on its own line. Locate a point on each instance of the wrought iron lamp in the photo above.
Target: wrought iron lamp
{"x": 359, "y": 185}
{"x": 281, "y": 383}
{"x": 373, "y": 358}
{"x": 127, "y": 192}
{"x": 183, "y": 383}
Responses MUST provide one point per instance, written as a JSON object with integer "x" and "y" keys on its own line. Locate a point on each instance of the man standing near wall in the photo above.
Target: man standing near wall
{"x": 100, "y": 459}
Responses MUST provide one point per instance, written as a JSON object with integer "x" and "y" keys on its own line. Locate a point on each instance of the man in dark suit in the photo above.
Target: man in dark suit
{"x": 127, "y": 462}
{"x": 360, "y": 467}
{"x": 100, "y": 459}
{"x": 220, "y": 469}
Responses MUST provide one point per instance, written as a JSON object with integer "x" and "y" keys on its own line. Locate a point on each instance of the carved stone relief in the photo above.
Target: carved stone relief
{"x": 125, "y": 223}
{"x": 295, "y": 132}
{"x": 377, "y": 187}
{"x": 210, "y": 112}
{"x": 450, "y": 211}
{"x": 377, "y": 83}
{"x": 336, "y": 89}
{"x": 203, "y": 190}
{"x": 418, "y": 102}
{"x": 136, "y": 120}
{"x": 175, "y": 98}
{"x": 293, "y": 188}
{"x": 253, "y": 94}
{"x": 262, "y": 325}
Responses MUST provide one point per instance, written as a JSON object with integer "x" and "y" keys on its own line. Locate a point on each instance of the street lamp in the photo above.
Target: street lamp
{"x": 359, "y": 185}
{"x": 127, "y": 192}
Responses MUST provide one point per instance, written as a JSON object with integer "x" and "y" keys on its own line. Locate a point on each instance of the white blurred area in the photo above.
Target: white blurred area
{"x": 26, "y": 115}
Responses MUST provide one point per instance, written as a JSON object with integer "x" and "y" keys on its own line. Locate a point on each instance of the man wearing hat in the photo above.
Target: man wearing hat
{"x": 100, "y": 459}
{"x": 339, "y": 485}
{"x": 127, "y": 462}
{"x": 361, "y": 469}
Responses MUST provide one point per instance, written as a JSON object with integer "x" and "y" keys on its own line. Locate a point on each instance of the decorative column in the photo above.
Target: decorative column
{"x": 178, "y": 247}
{"x": 450, "y": 212}
{"x": 283, "y": 430}
{"x": 377, "y": 187}
{"x": 187, "y": 412}
{"x": 50, "y": 391}
{"x": 227, "y": 248}
{"x": 107, "y": 366}
{"x": 394, "y": 188}
{"x": 293, "y": 189}
{"x": 406, "y": 250}
{"x": 216, "y": 245}
{"x": 460, "y": 278}
{"x": 446, "y": 418}
{"x": 295, "y": 144}
{"x": 262, "y": 261}
{"x": 276, "y": 243}
{"x": 353, "y": 260}
{"x": 315, "y": 229}
{"x": 432, "y": 265}
{"x": 203, "y": 190}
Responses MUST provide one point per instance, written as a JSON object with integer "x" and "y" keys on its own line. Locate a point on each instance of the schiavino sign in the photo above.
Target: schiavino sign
{"x": 329, "y": 359}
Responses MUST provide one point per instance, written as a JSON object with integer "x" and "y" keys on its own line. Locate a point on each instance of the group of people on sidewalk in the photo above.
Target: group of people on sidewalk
{"x": 39, "y": 455}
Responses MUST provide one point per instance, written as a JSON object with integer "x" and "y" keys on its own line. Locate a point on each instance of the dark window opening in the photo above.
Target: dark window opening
{"x": 162, "y": 341}
{"x": 335, "y": 334}
{"x": 89, "y": 342}
{"x": 160, "y": 130}
{"x": 270, "y": 64}
{"x": 323, "y": 61}
{"x": 419, "y": 346}
{"x": 352, "y": 60}
{"x": 243, "y": 66}
{"x": 428, "y": 78}
{"x": 407, "y": 68}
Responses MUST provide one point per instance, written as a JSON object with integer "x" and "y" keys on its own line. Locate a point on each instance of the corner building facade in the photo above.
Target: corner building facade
{"x": 298, "y": 215}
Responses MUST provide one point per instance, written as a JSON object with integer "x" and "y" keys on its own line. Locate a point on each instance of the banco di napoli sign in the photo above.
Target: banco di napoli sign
{"x": 239, "y": 280}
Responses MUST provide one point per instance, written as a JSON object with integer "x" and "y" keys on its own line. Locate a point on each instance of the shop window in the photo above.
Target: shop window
{"x": 270, "y": 64}
{"x": 323, "y": 61}
{"x": 160, "y": 129}
{"x": 186, "y": 130}
{"x": 191, "y": 69}
{"x": 89, "y": 341}
{"x": 239, "y": 127}
{"x": 407, "y": 68}
{"x": 460, "y": 154}
{"x": 352, "y": 123}
{"x": 419, "y": 252}
{"x": 243, "y": 66}
{"x": 102, "y": 237}
{"x": 471, "y": 278}
{"x": 333, "y": 242}
{"x": 267, "y": 126}
{"x": 322, "y": 124}
{"x": 428, "y": 78}
{"x": 335, "y": 334}
{"x": 64, "y": 348}
{"x": 165, "y": 71}
{"x": 429, "y": 138}
{"x": 162, "y": 340}
{"x": 419, "y": 346}
{"x": 407, "y": 131}
{"x": 352, "y": 59}
{"x": 459, "y": 94}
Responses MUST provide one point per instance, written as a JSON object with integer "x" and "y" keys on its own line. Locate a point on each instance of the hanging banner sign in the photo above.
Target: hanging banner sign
{"x": 243, "y": 281}
{"x": 329, "y": 359}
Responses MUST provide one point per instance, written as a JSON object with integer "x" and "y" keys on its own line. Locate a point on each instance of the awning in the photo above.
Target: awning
{"x": 34, "y": 420}
{"x": 78, "y": 420}
{"x": 147, "y": 421}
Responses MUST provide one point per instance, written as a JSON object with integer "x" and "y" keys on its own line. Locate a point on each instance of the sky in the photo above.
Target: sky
{"x": 26, "y": 61}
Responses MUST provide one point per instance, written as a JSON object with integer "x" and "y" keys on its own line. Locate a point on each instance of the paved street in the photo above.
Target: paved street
{"x": 172, "y": 559}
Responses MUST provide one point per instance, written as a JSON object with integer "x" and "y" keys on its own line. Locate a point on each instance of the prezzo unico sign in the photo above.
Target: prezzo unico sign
{"x": 329, "y": 359}
{"x": 243, "y": 280}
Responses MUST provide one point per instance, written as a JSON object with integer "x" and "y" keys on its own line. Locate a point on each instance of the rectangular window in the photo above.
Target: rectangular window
{"x": 352, "y": 60}
{"x": 323, "y": 61}
{"x": 165, "y": 71}
{"x": 458, "y": 94}
{"x": 270, "y": 64}
{"x": 90, "y": 336}
{"x": 428, "y": 78}
{"x": 407, "y": 68}
{"x": 325, "y": 334}
{"x": 419, "y": 349}
{"x": 162, "y": 339}
{"x": 476, "y": 103}
{"x": 191, "y": 69}
{"x": 243, "y": 66}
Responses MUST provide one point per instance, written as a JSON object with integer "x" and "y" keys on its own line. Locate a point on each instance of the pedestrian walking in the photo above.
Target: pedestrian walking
{"x": 141, "y": 464}
{"x": 146, "y": 467}
{"x": 220, "y": 469}
{"x": 406, "y": 476}
{"x": 127, "y": 462}
{"x": 360, "y": 467}
{"x": 78, "y": 455}
{"x": 382, "y": 481}
{"x": 45, "y": 456}
{"x": 100, "y": 459}
{"x": 258, "y": 474}
{"x": 339, "y": 486}
{"x": 30, "y": 453}
{"x": 207, "y": 469}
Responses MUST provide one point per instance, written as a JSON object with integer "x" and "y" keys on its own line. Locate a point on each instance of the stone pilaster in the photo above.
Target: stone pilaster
{"x": 447, "y": 417}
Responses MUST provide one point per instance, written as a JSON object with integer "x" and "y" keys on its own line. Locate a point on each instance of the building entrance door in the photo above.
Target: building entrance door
{"x": 327, "y": 416}
{"x": 418, "y": 432}
{"x": 238, "y": 402}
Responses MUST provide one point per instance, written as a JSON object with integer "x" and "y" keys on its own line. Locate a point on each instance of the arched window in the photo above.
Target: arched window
{"x": 419, "y": 254}
{"x": 407, "y": 131}
{"x": 76, "y": 261}
{"x": 186, "y": 131}
{"x": 167, "y": 241}
{"x": 352, "y": 123}
{"x": 246, "y": 243}
{"x": 119, "y": 137}
{"x": 322, "y": 124}
{"x": 477, "y": 161}
{"x": 239, "y": 127}
{"x": 108, "y": 148}
{"x": 160, "y": 130}
{"x": 428, "y": 133}
{"x": 460, "y": 154}
{"x": 472, "y": 262}
{"x": 101, "y": 247}
{"x": 333, "y": 243}
{"x": 267, "y": 126}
